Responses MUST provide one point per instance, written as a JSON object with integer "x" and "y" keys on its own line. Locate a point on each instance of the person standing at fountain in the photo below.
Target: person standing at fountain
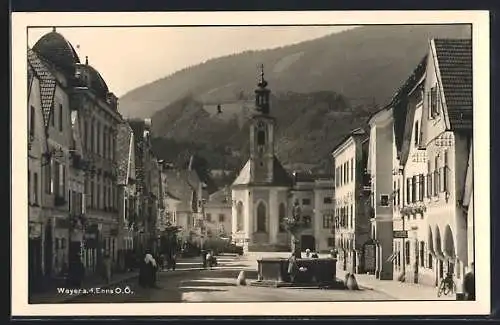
{"x": 292, "y": 267}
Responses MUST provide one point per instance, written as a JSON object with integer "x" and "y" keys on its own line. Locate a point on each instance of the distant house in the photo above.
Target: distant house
{"x": 218, "y": 213}
{"x": 352, "y": 189}
{"x": 184, "y": 190}
{"x": 314, "y": 193}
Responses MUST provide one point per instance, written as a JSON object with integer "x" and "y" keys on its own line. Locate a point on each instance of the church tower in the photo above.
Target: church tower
{"x": 262, "y": 136}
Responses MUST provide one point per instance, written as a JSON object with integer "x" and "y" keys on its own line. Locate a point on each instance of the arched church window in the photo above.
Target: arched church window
{"x": 239, "y": 216}
{"x": 281, "y": 217}
{"x": 261, "y": 138}
{"x": 261, "y": 217}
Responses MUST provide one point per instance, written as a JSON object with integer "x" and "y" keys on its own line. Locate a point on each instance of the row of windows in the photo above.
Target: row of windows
{"x": 344, "y": 217}
{"x": 326, "y": 200}
{"x": 55, "y": 178}
{"x": 60, "y": 116}
{"x": 222, "y": 217}
{"x": 420, "y": 186}
{"x": 101, "y": 195}
{"x": 344, "y": 173}
{"x": 100, "y": 140}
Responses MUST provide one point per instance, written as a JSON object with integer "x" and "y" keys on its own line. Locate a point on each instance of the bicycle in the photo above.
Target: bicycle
{"x": 447, "y": 286}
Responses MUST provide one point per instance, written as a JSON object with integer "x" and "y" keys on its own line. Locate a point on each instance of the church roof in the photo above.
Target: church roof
{"x": 280, "y": 176}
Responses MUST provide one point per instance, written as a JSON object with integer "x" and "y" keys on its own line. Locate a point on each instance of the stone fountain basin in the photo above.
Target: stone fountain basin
{"x": 314, "y": 272}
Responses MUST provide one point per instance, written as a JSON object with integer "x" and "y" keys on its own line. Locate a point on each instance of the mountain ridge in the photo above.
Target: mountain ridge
{"x": 350, "y": 62}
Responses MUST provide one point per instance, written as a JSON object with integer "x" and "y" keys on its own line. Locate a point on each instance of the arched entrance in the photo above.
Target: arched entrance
{"x": 449, "y": 249}
{"x": 307, "y": 242}
{"x": 261, "y": 218}
{"x": 439, "y": 255}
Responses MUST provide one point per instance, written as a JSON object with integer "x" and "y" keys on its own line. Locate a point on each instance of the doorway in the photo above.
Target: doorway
{"x": 34, "y": 263}
{"x": 307, "y": 242}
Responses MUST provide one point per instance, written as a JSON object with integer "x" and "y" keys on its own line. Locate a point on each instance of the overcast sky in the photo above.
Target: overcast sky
{"x": 131, "y": 57}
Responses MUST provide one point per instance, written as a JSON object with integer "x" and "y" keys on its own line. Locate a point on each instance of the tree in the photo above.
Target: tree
{"x": 293, "y": 224}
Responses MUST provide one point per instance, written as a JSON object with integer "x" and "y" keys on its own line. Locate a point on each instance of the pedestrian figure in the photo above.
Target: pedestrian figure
{"x": 106, "y": 263}
{"x": 147, "y": 274}
{"x": 470, "y": 284}
{"x": 161, "y": 262}
{"x": 173, "y": 257}
{"x": 204, "y": 259}
{"x": 209, "y": 259}
{"x": 292, "y": 267}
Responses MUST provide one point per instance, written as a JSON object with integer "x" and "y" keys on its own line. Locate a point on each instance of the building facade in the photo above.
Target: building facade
{"x": 127, "y": 196}
{"x": 314, "y": 194}
{"x": 37, "y": 150}
{"x": 352, "y": 229}
{"x": 447, "y": 136}
{"x": 218, "y": 214}
{"x": 78, "y": 180}
{"x": 56, "y": 74}
{"x": 379, "y": 167}
{"x": 432, "y": 164}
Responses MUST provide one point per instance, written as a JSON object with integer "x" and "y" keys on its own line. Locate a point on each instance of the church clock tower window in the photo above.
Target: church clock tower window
{"x": 261, "y": 138}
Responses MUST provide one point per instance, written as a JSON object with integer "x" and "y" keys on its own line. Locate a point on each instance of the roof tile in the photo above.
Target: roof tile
{"x": 454, "y": 58}
{"x": 47, "y": 84}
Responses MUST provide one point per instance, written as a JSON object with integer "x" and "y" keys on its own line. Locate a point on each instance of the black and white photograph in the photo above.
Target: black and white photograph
{"x": 251, "y": 163}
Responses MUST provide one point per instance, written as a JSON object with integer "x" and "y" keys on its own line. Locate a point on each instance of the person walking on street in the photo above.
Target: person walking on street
{"x": 470, "y": 284}
{"x": 204, "y": 258}
{"x": 147, "y": 274}
{"x": 209, "y": 259}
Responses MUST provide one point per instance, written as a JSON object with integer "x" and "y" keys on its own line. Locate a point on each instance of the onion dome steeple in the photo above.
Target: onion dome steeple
{"x": 262, "y": 94}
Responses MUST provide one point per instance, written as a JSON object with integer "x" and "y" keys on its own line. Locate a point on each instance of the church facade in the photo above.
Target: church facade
{"x": 263, "y": 193}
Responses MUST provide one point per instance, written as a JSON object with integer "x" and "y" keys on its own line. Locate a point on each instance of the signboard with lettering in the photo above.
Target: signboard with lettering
{"x": 400, "y": 233}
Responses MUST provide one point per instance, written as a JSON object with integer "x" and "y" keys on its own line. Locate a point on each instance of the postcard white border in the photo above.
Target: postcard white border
{"x": 481, "y": 43}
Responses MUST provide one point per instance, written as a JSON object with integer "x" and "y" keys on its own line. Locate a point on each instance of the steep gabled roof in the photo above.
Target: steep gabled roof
{"x": 123, "y": 144}
{"x": 280, "y": 176}
{"x": 47, "y": 84}
{"x": 454, "y": 61}
{"x": 179, "y": 187}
